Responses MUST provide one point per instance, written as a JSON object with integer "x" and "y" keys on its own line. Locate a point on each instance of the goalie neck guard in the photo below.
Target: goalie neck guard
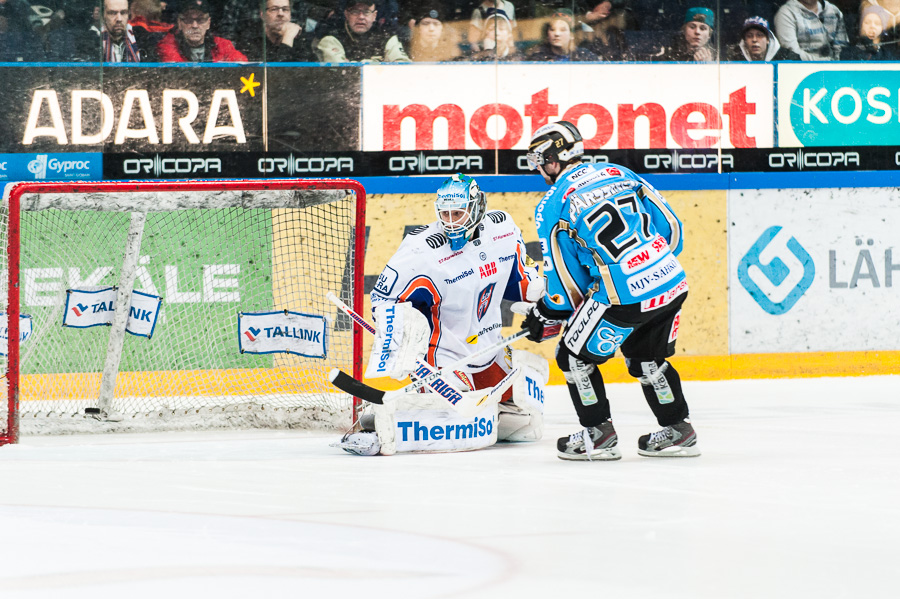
{"x": 460, "y": 206}
{"x": 556, "y": 142}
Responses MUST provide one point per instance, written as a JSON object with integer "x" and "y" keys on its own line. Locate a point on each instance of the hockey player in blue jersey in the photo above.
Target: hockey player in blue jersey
{"x": 610, "y": 243}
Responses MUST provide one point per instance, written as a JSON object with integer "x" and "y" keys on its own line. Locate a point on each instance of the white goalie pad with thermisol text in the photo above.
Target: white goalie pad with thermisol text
{"x": 422, "y": 422}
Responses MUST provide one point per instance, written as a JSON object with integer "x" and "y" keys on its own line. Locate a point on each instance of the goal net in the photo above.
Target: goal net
{"x": 151, "y": 305}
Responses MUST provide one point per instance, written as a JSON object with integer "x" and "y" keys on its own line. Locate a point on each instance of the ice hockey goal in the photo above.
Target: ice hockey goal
{"x": 146, "y": 305}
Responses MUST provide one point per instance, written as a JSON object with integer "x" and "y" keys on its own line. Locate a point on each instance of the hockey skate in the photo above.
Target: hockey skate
{"x": 364, "y": 442}
{"x": 591, "y": 443}
{"x": 675, "y": 441}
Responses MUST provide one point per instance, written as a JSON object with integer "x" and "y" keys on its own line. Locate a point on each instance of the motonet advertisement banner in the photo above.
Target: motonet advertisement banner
{"x": 841, "y": 104}
{"x": 472, "y": 107}
{"x": 809, "y": 271}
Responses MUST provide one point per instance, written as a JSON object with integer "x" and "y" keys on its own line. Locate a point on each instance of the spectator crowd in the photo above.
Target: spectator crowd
{"x": 371, "y": 31}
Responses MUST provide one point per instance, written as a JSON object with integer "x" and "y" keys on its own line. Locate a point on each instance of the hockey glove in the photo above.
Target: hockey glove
{"x": 540, "y": 324}
{"x": 400, "y": 340}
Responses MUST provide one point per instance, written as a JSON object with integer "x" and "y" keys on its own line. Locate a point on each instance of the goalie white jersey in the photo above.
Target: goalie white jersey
{"x": 459, "y": 292}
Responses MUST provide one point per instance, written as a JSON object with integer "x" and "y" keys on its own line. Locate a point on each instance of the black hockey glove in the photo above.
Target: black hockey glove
{"x": 540, "y": 324}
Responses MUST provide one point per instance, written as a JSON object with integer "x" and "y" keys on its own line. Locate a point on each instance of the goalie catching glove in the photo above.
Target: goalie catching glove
{"x": 401, "y": 339}
{"x": 540, "y": 323}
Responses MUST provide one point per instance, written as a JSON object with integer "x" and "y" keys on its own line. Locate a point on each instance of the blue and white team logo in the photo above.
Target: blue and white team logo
{"x": 386, "y": 281}
{"x": 484, "y": 300}
{"x": 776, "y": 272}
{"x": 607, "y": 339}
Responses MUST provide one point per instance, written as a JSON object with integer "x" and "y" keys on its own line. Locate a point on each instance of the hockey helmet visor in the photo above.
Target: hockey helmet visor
{"x": 460, "y": 206}
{"x": 559, "y": 142}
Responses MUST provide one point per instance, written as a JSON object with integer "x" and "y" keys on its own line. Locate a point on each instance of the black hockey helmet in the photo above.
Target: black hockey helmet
{"x": 555, "y": 142}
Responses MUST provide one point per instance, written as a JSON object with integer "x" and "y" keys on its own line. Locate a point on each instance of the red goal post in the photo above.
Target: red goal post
{"x": 221, "y": 285}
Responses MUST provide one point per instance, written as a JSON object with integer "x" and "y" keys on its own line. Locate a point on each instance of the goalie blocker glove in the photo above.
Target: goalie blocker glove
{"x": 539, "y": 321}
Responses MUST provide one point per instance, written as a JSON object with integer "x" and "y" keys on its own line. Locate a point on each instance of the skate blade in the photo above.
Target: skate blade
{"x": 356, "y": 448}
{"x": 598, "y": 455}
{"x": 672, "y": 452}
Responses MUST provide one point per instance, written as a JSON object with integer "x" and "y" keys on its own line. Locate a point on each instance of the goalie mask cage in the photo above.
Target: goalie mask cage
{"x": 178, "y": 304}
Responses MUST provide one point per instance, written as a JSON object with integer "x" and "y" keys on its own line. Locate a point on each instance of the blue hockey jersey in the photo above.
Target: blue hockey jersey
{"x": 608, "y": 234}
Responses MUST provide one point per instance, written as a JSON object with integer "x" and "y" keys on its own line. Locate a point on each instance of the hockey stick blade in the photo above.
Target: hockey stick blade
{"x": 348, "y": 384}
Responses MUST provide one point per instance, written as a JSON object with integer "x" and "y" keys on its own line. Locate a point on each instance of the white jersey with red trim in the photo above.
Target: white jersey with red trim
{"x": 459, "y": 292}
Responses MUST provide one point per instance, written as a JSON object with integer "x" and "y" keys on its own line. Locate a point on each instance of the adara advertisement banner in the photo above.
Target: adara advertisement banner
{"x": 472, "y": 107}
{"x": 179, "y": 109}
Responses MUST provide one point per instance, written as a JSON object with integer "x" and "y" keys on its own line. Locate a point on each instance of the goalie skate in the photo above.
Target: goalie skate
{"x": 675, "y": 441}
{"x": 591, "y": 443}
{"x": 362, "y": 443}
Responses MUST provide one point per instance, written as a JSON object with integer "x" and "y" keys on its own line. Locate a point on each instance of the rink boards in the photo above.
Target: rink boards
{"x": 783, "y": 282}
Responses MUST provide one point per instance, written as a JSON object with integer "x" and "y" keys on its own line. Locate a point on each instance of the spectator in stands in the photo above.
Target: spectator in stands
{"x": 814, "y": 29}
{"x": 693, "y": 42}
{"x": 892, "y": 8}
{"x": 284, "y": 41}
{"x": 358, "y": 38}
{"x": 241, "y": 21}
{"x": 431, "y": 41}
{"x": 147, "y": 20}
{"x": 18, "y": 41}
{"x": 873, "y": 27}
{"x": 499, "y": 43}
{"x": 607, "y": 21}
{"x": 148, "y": 25}
{"x": 758, "y": 43}
{"x": 558, "y": 41}
{"x": 117, "y": 38}
{"x": 74, "y": 32}
{"x": 193, "y": 41}
{"x": 478, "y": 21}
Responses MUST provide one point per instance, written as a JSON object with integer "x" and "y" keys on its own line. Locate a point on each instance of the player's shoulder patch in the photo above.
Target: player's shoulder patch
{"x": 421, "y": 238}
{"x": 497, "y": 216}
{"x": 436, "y": 240}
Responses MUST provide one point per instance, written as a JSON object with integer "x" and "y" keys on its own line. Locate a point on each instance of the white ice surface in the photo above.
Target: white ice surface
{"x": 796, "y": 495}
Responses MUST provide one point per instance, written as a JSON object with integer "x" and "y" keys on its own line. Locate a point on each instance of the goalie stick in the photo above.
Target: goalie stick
{"x": 461, "y": 401}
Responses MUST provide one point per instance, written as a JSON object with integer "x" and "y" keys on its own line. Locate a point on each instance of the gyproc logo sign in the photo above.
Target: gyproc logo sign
{"x": 61, "y": 166}
{"x": 776, "y": 271}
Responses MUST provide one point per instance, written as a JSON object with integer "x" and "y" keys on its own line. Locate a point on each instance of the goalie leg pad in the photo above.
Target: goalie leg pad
{"x": 515, "y": 425}
{"x": 528, "y": 389}
{"x": 420, "y": 422}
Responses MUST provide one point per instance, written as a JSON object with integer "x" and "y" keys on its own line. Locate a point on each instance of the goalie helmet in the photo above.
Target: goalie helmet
{"x": 556, "y": 142}
{"x": 460, "y": 206}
